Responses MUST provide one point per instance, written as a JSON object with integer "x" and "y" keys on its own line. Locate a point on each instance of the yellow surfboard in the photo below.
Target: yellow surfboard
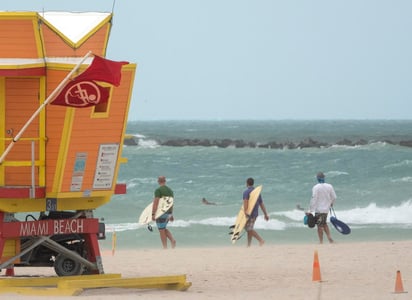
{"x": 241, "y": 219}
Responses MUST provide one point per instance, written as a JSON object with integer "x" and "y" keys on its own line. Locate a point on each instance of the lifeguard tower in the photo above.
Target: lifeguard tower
{"x": 65, "y": 163}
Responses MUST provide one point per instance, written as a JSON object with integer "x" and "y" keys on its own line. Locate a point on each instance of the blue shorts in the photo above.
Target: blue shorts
{"x": 162, "y": 221}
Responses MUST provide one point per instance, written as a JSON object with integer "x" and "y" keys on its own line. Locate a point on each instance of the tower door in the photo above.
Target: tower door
{"x": 24, "y": 164}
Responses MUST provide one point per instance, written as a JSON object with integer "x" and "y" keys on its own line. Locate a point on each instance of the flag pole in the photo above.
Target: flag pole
{"x": 47, "y": 101}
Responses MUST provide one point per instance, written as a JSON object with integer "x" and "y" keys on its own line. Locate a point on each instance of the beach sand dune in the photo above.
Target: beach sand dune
{"x": 348, "y": 271}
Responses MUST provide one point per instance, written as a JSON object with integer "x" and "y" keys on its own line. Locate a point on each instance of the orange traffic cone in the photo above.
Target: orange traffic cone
{"x": 316, "y": 268}
{"x": 398, "y": 283}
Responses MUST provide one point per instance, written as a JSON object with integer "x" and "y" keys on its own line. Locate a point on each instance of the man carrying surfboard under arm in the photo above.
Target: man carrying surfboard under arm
{"x": 251, "y": 233}
{"x": 323, "y": 198}
{"x": 163, "y": 191}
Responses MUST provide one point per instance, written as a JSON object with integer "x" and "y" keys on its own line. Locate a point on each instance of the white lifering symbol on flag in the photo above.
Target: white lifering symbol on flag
{"x": 82, "y": 94}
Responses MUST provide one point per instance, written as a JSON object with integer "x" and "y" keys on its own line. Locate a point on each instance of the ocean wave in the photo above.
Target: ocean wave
{"x": 371, "y": 215}
{"x": 139, "y": 136}
{"x": 122, "y": 227}
{"x": 335, "y": 173}
{"x": 133, "y": 182}
{"x": 140, "y": 141}
{"x": 346, "y": 146}
{"x": 403, "y": 163}
{"x": 147, "y": 143}
{"x": 403, "y": 179}
{"x": 272, "y": 224}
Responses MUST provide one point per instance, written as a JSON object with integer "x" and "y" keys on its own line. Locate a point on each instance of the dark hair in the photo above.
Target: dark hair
{"x": 250, "y": 181}
{"x": 320, "y": 175}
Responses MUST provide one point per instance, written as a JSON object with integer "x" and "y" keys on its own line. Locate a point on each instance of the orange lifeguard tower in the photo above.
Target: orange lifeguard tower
{"x": 65, "y": 163}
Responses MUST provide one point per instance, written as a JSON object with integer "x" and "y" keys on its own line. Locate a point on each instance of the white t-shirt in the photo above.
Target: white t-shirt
{"x": 323, "y": 197}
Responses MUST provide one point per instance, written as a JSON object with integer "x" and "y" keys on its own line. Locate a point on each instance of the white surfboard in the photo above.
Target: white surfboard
{"x": 165, "y": 203}
{"x": 241, "y": 219}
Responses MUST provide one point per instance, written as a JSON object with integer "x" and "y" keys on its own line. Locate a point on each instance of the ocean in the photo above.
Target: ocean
{"x": 363, "y": 160}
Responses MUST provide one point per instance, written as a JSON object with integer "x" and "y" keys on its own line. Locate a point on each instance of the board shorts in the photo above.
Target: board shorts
{"x": 321, "y": 218}
{"x": 162, "y": 221}
{"x": 250, "y": 224}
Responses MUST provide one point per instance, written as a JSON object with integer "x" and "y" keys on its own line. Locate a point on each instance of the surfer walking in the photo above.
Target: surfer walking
{"x": 323, "y": 198}
{"x": 251, "y": 232}
{"x": 163, "y": 191}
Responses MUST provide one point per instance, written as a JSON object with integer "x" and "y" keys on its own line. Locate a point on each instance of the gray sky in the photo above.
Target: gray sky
{"x": 259, "y": 59}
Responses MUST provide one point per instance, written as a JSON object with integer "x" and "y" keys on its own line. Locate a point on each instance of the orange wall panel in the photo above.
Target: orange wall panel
{"x": 97, "y": 43}
{"x": 22, "y": 151}
{"x": 18, "y": 176}
{"x": 56, "y": 46}
{"x": 54, "y": 129}
{"x": 17, "y": 39}
{"x": 22, "y": 101}
{"x": 89, "y": 133}
{"x": 53, "y": 43}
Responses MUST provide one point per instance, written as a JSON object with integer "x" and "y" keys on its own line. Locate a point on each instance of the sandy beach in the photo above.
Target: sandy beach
{"x": 348, "y": 271}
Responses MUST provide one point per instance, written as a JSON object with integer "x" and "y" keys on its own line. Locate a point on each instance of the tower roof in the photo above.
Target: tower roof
{"x": 74, "y": 25}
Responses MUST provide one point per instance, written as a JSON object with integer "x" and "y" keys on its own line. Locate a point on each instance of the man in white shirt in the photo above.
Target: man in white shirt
{"x": 323, "y": 198}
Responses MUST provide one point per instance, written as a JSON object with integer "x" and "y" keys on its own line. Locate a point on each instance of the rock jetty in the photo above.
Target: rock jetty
{"x": 239, "y": 143}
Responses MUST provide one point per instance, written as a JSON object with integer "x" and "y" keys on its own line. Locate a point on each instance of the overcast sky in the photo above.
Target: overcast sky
{"x": 259, "y": 59}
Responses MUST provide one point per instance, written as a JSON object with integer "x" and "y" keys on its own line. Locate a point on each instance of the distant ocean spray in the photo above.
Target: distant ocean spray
{"x": 372, "y": 179}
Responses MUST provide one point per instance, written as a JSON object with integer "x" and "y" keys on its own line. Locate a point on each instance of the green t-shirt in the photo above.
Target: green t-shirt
{"x": 164, "y": 191}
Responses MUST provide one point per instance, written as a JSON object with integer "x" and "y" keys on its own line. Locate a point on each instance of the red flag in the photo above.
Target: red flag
{"x": 105, "y": 70}
{"x": 82, "y": 93}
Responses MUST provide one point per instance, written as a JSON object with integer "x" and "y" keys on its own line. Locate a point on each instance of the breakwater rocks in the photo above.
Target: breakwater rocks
{"x": 239, "y": 143}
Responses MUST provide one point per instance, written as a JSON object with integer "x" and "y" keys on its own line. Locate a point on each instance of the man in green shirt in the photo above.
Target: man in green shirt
{"x": 163, "y": 191}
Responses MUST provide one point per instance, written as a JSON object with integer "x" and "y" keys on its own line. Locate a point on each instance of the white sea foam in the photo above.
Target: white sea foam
{"x": 336, "y": 173}
{"x": 147, "y": 143}
{"x": 402, "y": 163}
{"x": 403, "y": 179}
{"x": 394, "y": 216}
{"x": 139, "y": 136}
{"x": 371, "y": 214}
